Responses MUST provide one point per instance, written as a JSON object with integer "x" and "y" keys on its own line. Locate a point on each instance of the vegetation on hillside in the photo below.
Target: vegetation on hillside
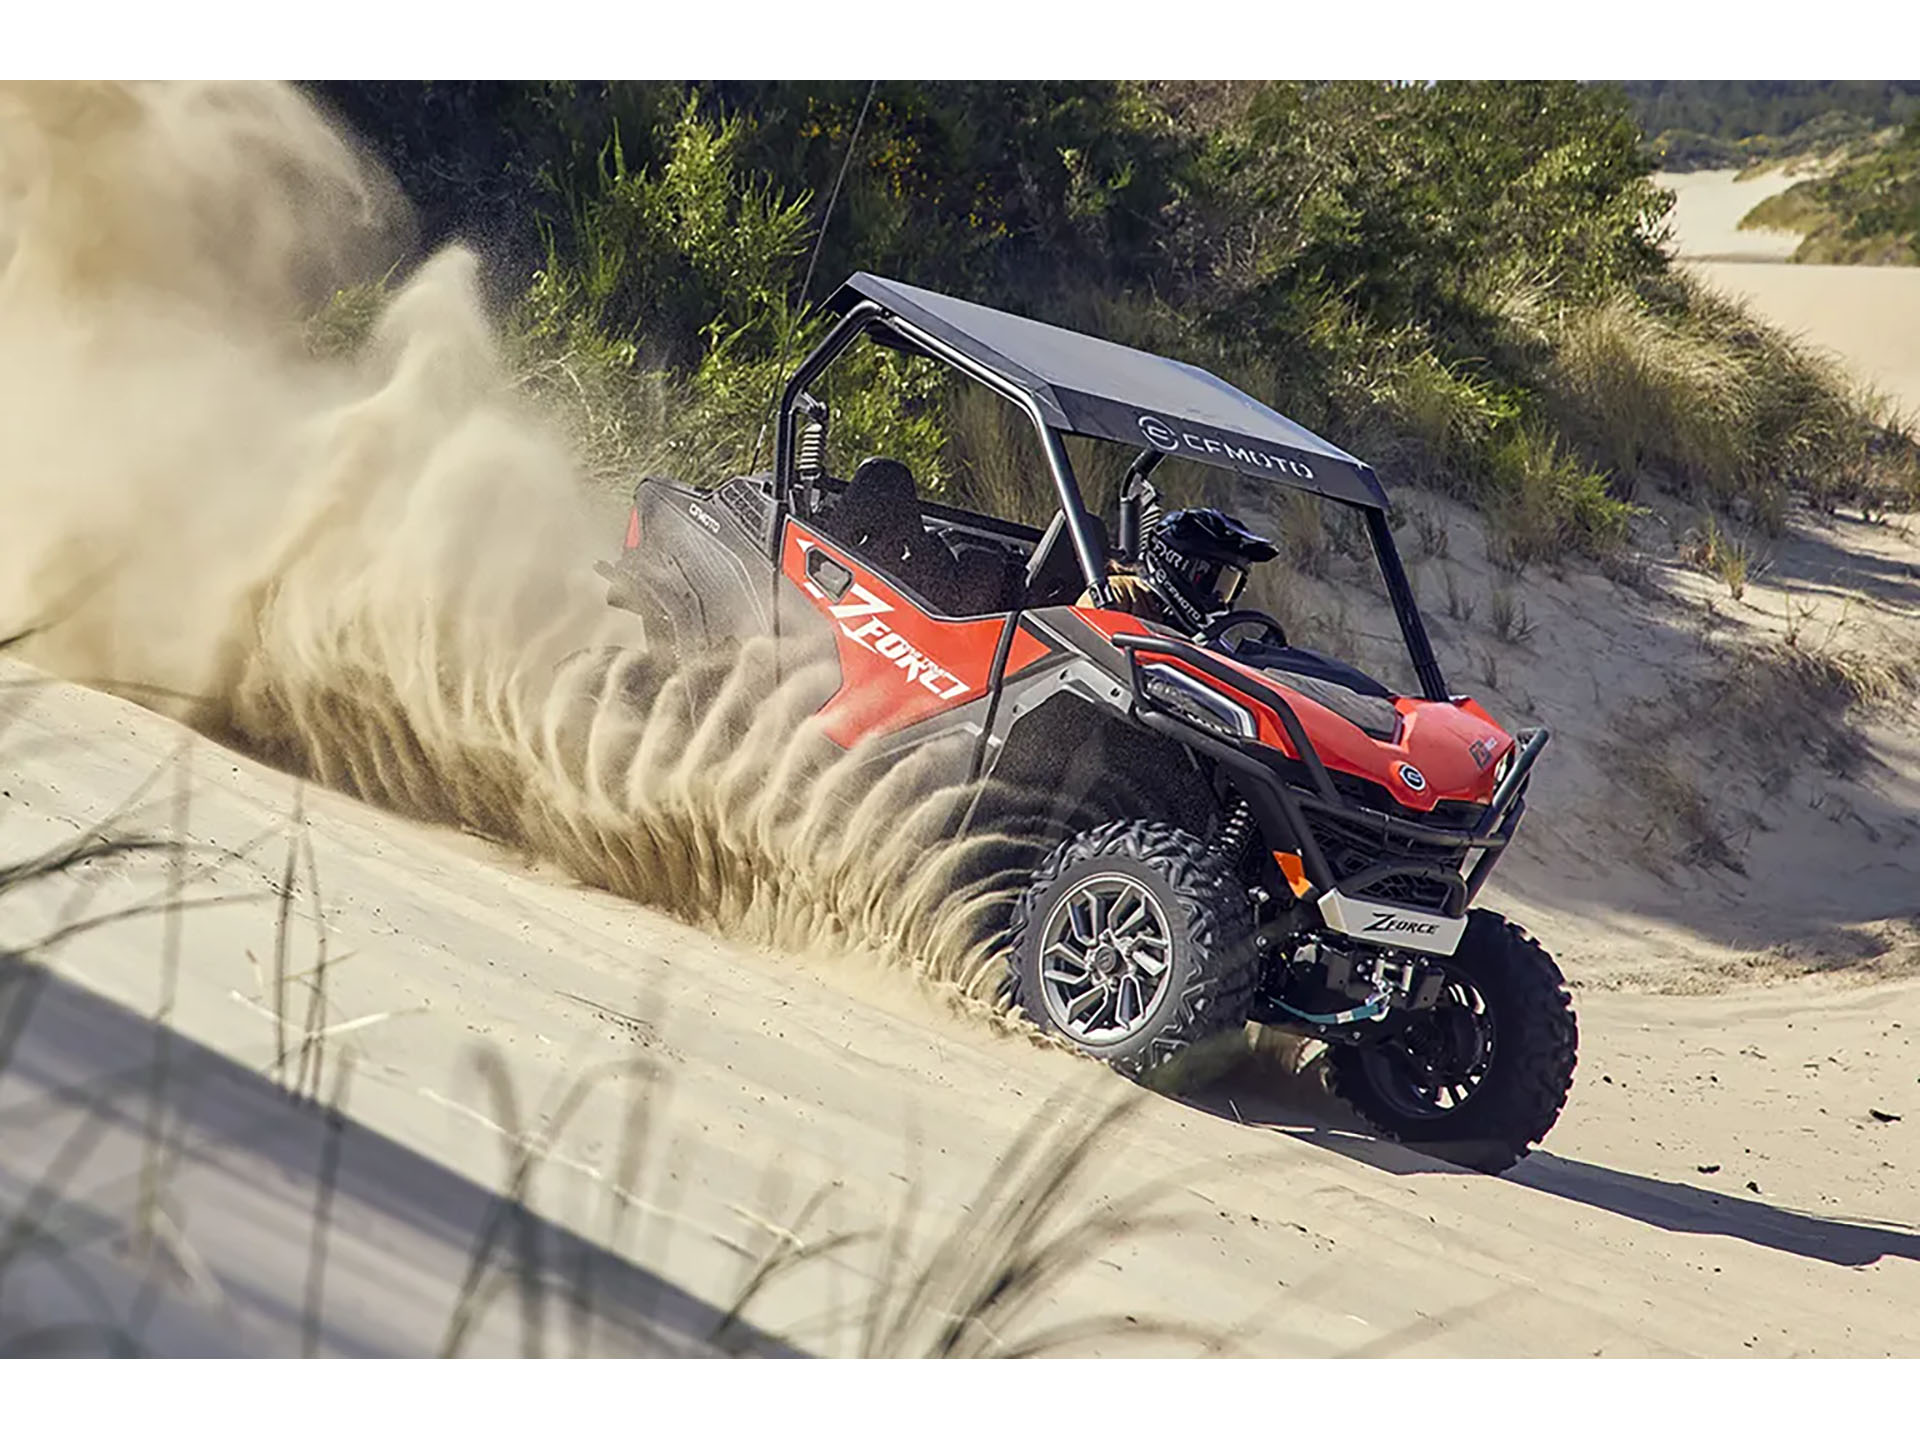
{"x": 1863, "y": 207}
{"x": 1718, "y": 124}
{"x": 1462, "y": 282}
{"x": 1863, "y": 211}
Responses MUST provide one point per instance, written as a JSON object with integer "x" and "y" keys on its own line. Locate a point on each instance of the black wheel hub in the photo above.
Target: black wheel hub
{"x": 1451, "y": 1044}
{"x": 1438, "y": 1062}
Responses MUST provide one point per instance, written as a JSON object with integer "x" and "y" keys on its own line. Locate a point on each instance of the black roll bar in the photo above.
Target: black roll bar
{"x": 1426, "y": 667}
{"x": 822, "y": 355}
{"x": 1087, "y": 545}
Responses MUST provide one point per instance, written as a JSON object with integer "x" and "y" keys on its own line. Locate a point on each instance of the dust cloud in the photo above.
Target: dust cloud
{"x": 375, "y": 571}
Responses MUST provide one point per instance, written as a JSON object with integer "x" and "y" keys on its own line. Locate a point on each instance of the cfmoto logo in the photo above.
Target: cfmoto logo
{"x": 1413, "y": 778}
{"x": 1160, "y": 435}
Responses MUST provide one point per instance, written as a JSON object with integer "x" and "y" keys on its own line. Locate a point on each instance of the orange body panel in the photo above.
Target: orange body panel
{"x": 898, "y": 664}
{"x": 1453, "y": 746}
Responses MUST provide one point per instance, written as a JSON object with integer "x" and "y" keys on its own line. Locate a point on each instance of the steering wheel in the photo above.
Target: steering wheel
{"x": 1221, "y": 626}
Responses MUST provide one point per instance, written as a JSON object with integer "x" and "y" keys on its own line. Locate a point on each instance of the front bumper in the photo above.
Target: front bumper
{"x": 1348, "y": 849}
{"x": 1374, "y": 923}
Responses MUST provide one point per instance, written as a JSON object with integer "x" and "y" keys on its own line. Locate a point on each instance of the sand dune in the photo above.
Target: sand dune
{"x": 1868, "y": 314}
{"x": 1716, "y": 1159}
{"x": 1709, "y": 206}
{"x": 1719, "y": 1183}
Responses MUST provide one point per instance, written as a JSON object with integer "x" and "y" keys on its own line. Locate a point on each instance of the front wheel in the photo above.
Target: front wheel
{"x": 1481, "y": 1077}
{"x": 1134, "y": 941}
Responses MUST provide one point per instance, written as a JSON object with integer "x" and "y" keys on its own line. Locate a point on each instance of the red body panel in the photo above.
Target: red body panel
{"x": 1445, "y": 742}
{"x": 898, "y": 664}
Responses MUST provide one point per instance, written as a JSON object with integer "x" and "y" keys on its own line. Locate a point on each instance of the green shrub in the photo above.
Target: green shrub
{"x": 1460, "y": 282}
{"x": 1543, "y": 504}
{"x": 1792, "y": 209}
{"x": 1864, "y": 210}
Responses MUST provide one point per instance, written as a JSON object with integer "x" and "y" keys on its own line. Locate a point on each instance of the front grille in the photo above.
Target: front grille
{"x": 1450, "y": 814}
{"x": 1350, "y": 847}
{"x": 1417, "y": 891}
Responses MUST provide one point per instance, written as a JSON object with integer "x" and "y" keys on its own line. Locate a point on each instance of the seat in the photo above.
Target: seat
{"x": 987, "y": 581}
{"x": 878, "y": 516}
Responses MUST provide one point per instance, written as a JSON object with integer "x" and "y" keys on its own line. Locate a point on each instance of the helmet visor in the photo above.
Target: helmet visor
{"x": 1233, "y": 579}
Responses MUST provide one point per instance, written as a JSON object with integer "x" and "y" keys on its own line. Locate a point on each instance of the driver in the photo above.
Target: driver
{"x": 1192, "y": 567}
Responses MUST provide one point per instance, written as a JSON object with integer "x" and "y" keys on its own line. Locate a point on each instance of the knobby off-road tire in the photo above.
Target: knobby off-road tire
{"x": 1527, "y": 1077}
{"x": 1211, "y": 960}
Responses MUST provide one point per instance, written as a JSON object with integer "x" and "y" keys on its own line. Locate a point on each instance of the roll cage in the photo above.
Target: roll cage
{"x": 1072, "y": 384}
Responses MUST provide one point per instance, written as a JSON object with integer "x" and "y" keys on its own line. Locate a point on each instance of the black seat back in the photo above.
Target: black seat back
{"x": 878, "y": 513}
{"x": 987, "y": 580}
{"x": 878, "y": 517}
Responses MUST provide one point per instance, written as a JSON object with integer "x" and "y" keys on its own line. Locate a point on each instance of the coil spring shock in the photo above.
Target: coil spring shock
{"x": 1234, "y": 831}
{"x": 810, "y": 451}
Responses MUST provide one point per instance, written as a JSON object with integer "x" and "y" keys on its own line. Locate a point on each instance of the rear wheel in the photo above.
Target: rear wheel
{"x": 1134, "y": 941}
{"x": 1482, "y": 1076}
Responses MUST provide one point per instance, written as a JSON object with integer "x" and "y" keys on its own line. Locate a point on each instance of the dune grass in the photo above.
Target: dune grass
{"x": 1683, "y": 391}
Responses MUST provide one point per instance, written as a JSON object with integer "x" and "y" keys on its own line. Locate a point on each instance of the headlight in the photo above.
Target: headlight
{"x": 1506, "y": 764}
{"x": 1199, "y": 703}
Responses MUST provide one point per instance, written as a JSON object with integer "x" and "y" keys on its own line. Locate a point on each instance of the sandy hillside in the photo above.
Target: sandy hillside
{"x": 677, "y": 1101}
{"x": 1868, "y": 313}
{"x": 1708, "y": 208}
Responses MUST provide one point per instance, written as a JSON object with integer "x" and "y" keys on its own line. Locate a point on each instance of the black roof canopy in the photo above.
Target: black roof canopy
{"x": 1086, "y": 386}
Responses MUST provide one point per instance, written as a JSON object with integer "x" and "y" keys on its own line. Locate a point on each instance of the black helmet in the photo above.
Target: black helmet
{"x": 1197, "y": 560}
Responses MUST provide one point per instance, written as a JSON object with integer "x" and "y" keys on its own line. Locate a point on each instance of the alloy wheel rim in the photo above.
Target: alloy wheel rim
{"x": 1106, "y": 959}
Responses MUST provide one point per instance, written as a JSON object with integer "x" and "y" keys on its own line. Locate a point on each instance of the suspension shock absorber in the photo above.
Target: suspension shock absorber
{"x": 810, "y": 460}
{"x": 810, "y": 451}
{"x": 1234, "y": 831}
